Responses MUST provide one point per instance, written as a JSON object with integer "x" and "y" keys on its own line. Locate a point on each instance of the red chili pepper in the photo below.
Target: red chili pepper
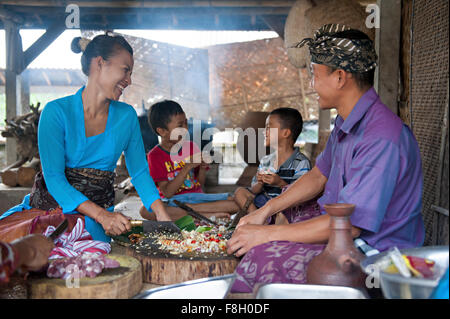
{"x": 193, "y": 242}
{"x": 217, "y": 240}
{"x": 220, "y": 235}
{"x": 422, "y": 265}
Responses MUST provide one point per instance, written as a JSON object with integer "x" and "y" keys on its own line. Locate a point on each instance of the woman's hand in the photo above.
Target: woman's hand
{"x": 33, "y": 251}
{"x": 114, "y": 223}
{"x": 246, "y": 237}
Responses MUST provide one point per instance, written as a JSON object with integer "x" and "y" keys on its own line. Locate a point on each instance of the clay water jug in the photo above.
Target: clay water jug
{"x": 339, "y": 262}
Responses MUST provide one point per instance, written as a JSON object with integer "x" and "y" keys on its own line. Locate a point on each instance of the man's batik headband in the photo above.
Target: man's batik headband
{"x": 351, "y": 55}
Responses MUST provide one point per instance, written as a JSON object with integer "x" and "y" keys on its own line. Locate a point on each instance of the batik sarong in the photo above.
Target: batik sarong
{"x": 279, "y": 261}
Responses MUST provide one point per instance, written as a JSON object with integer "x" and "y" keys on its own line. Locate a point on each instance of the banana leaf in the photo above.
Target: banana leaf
{"x": 123, "y": 238}
{"x": 186, "y": 223}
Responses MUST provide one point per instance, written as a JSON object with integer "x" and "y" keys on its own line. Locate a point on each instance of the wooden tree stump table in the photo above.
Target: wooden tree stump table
{"x": 117, "y": 283}
{"x": 163, "y": 270}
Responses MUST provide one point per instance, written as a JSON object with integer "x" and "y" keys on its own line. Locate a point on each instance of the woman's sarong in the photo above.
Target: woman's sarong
{"x": 33, "y": 221}
{"x": 96, "y": 185}
{"x": 279, "y": 261}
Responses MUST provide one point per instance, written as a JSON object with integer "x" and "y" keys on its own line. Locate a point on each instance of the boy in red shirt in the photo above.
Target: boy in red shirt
{"x": 177, "y": 168}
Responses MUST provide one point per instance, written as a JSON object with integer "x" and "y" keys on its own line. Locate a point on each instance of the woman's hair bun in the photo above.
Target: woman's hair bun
{"x": 75, "y": 45}
{"x": 79, "y": 44}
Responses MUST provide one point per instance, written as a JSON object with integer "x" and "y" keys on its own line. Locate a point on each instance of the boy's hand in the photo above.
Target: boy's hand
{"x": 190, "y": 166}
{"x": 259, "y": 177}
{"x": 194, "y": 161}
{"x": 273, "y": 179}
{"x": 206, "y": 159}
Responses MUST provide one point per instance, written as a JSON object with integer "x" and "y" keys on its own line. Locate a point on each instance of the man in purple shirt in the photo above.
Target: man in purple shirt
{"x": 371, "y": 160}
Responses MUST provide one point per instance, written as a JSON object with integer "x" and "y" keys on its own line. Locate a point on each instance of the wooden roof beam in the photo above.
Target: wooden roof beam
{"x": 52, "y": 33}
{"x": 46, "y": 11}
{"x": 8, "y": 15}
{"x": 154, "y": 4}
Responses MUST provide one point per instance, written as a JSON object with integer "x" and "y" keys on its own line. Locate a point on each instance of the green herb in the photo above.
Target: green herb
{"x": 201, "y": 229}
{"x": 186, "y": 223}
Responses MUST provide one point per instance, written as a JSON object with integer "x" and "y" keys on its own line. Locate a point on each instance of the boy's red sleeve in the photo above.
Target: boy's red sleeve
{"x": 156, "y": 166}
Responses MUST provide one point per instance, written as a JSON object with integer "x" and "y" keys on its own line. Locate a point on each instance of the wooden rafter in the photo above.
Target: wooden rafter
{"x": 8, "y": 15}
{"x": 154, "y": 4}
{"x": 42, "y": 43}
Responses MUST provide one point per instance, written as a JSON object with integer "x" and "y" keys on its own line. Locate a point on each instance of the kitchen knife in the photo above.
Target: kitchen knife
{"x": 241, "y": 213}
{"x": 151, "y": 226}
{"x": 59, "y": 230}
{"x": 193, "y": 213}
{"x": 237, "y": 218}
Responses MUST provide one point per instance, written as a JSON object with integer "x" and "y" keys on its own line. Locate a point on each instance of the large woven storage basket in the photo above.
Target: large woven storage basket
{"x": 306, "y": 16}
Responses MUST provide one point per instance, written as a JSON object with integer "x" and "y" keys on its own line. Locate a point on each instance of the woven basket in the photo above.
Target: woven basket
{"x": 295, "y": 30}
{"x": 304, "y": 19}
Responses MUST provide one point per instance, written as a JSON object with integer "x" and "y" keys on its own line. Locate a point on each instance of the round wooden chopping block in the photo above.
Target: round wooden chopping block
{"x": 116, "y": 283}
{"x": 173, "y": 270}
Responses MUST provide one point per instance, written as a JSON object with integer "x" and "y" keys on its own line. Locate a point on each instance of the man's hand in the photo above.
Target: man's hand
{"x": 114, "y": 223}
{"x": 246, "y": 237}
{"x": 33, "y": 251}
{"x": 258, "y": 217}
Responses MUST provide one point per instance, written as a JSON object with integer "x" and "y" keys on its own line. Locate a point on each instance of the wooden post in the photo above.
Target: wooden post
{"x": 13, "y": 81}
{"x": 17, "y": 89}
{"x": 304, "y": 104}
{"x": 25, "y": 93}
{"x": 324, "y": 120}
{"x": 324, "y": 131}
{"x": 387, "y": 45}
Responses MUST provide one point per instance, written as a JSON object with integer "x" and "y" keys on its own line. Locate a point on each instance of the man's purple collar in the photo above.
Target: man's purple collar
{"x": 358, "y": 111}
